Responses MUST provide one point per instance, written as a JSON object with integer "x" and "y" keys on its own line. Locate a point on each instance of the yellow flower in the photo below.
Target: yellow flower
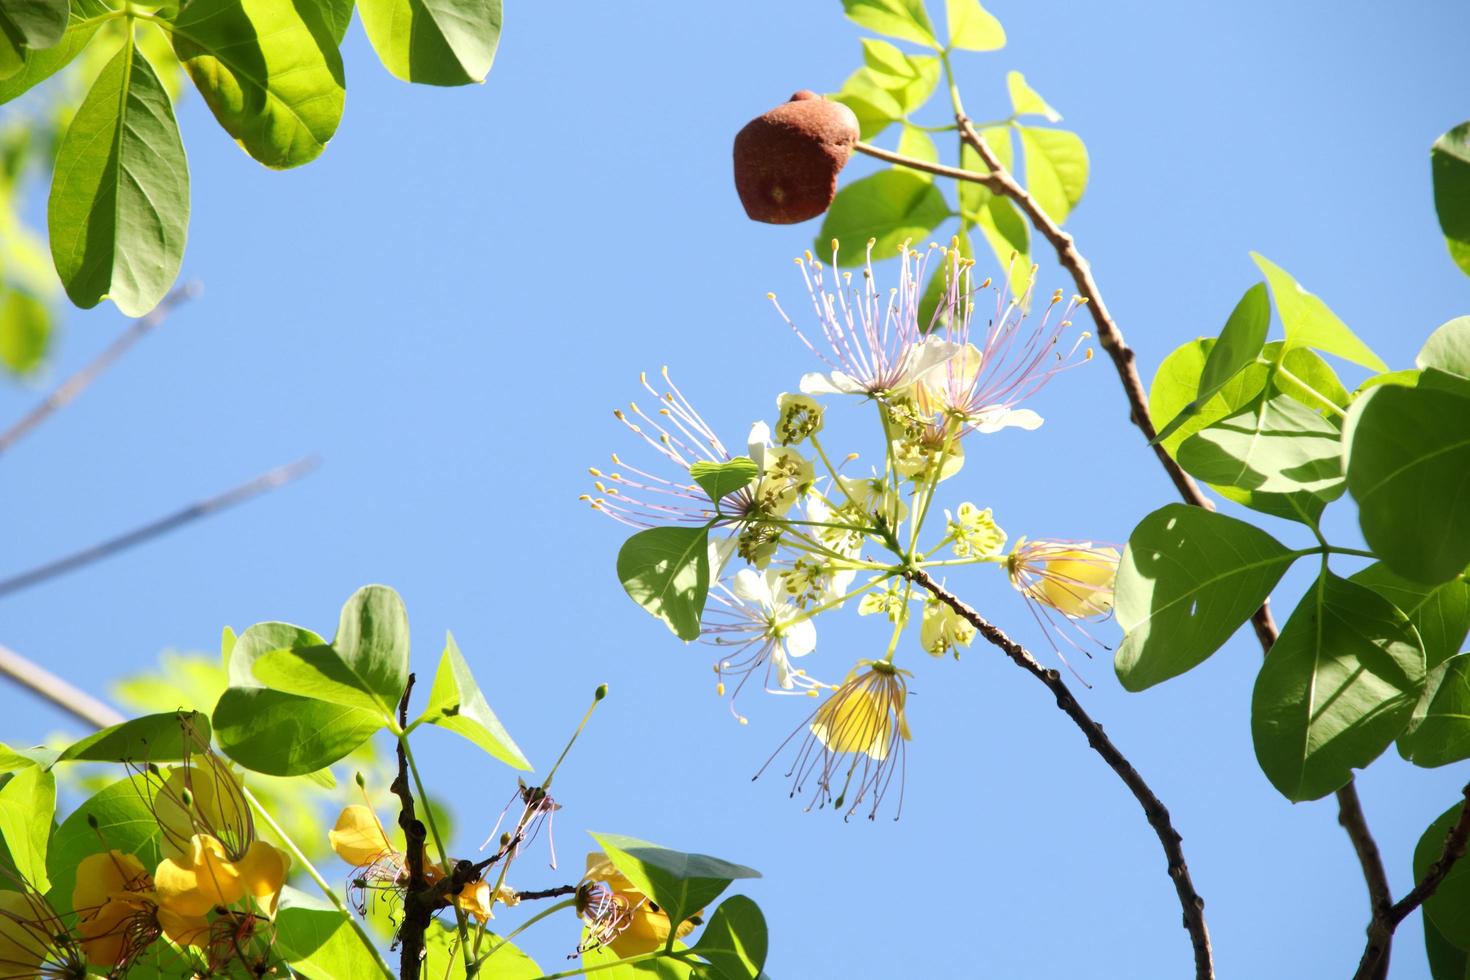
{"x": 202, "y": 796}
{"x": 1073, "y": 577}
{"x": 206, "y": 876}
{"x": 619, "y": 916}
{"x": 33, "y": 940}
{"x": 359, "y": 838}
{"x": 474, "y": 899}
{"x": 943, "y": 629}
{"x": 974, "y": 532}
{"x": 118, "y": 916}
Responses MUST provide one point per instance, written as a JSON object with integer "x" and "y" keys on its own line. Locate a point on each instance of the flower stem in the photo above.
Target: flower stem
{"x": 316, "y": 876}
{"x": 523, "y": 927}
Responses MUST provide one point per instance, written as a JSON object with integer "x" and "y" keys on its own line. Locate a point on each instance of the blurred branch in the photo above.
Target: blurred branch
{"x": 1387, "y": 919}
{"x": 73, "y": 386}
{"x": 61, "y": 693}
{"x": 1153, "y": 808}
{"x": 417, "y": 914}
{"x": 270, "y": 480}
{"x": 1350, "y": 811}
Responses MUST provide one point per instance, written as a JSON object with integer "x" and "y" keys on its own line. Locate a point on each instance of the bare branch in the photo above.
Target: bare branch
{"x": 73, "y": 386}
{"x": 270, "y": 480}
{"x": 1385, "y": 920}
{"x": 61, "y": 693}
{"x": 1158, "y": 815}
{"x": 938, "y": 169}
{"x": 417, "y": 914}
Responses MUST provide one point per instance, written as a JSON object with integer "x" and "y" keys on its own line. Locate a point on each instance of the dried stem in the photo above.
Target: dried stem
{"x": 417, "y": 914}
{"x": 1158, "y": 815}
{"x": 1386, "y": 919}
{"x": 270, "y": 480}
{"x": 73, "y": 386}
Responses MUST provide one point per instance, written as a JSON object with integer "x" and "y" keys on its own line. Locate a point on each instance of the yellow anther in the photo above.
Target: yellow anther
{"x": 616, "y": 461}
{"x": 1088, "y": 355}
{"x": 665, "y": 411}
{"x": 808, "y": 254}
{"x": 599, "y": 486}
{"x": 594, "y": 471}
{"x": 618, "y": 414}
{"x": 1081, "y": 300}
{"x": 585, "y": 497}
{"x": 850, "y": 457}
{"x": 744, "y": 720}
{"x": 720, "y": 689}
{"x": 616, "y": 477}
{"x": 772, "y": 296}
{"x": 634, "y": 407}
{"x": 954, "y": 241}
{"x": 871, "y": 242}
{"x": 643, "y": 377}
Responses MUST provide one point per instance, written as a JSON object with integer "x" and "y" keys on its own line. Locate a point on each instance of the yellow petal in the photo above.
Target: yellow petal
{"x": 104, "y": 935}
{"x": 647, "y": 931}
{"x": 262, "y": 873}
{"x": 102, "y": 876}
{"x": 184, "y": 930}
{"x": 23, "y": 942}
{"x": 854, "y": 720}
{"x": 1079, "y": 583}
{"x": 358, "y": 838}
{"x": 218, "y": 809}
{"x": 474, "y": 899}
{"x": 198, "y": 881}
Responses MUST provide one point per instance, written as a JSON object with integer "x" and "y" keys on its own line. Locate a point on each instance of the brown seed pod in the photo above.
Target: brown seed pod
{"x": 787, "y": 160}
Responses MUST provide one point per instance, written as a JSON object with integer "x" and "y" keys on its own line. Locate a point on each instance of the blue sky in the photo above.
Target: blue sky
{"x": 447, "y": 305}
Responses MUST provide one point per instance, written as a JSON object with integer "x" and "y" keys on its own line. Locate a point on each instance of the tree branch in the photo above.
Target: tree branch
{"x": 1386, "y": 919}
{"x": 1190, "y": 901}
{"x": 938, "y": 169}
{"x": 1350, "y": 812}
{"x": 73, "y": 386}
{"x": 270, "y": 480}
{"x": 417, "y": 914}
{"x": 61, "y": 693}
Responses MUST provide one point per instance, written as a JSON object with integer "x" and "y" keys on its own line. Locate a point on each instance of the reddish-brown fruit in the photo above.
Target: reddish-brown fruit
{"x": 787, "y": 160}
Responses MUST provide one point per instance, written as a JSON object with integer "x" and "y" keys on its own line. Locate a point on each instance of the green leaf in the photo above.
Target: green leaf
{"x": 165, "y": 737}
{"x": 271, "y": 82}
{"x": 1448, "y": 349}
{"x": 1309, "y": 323}
{"x": 41, "y": 65}
{"x": 874, "y": 105}
{"x": 608, "y": 966}
{"x": 456, "y": 704}
{"x": 1026, "y": 101}
{"x": 1276, "y": 445}
{"x": 1449, "y": 907}
{"x": 1237, "y": 347}
{"x": 666, "y": 571}
{"x": 13, "y": 759}
{"x": 32, "y": 24}
{"x": 434, "y": 42}
{"x": 903, "y": 19}
{"x": 320, "y": 944}
{"x": 1187, "y": 580}
{"x": 972, "y": 27}
{"x": 1441, "y": 613}
{"x": 1336, "y": 689}
{"x": 1439, "y": 728}
{"x": 366, "y": 666}
{"x": 1056, "y": 169}
{"x": 287, "y": 734}
{"x": 1408, "y": 467}
{"x": 443, "y": 960}
{"x": 719, "y": 479}
{"x": 682, "y": 883}
{"x": 973, "y": 196}
{"x": 891, "y": 207}
{"x": 914, "y": 142}
{"x": 259, "y": 640}
{"x": 1446, "y": 960}
{"x": 119, "y": 208}
{"x": 1449, "y": 166}
{"x": 1176, "y": 383}
{"x": 735, "y": 941}
{"x": 27, "y": 807}
{"x": 908, "y": 79}
{"x": 124, "y": 820}
{"x": 334, "y": 15}
{"x": 25, "y": 331}
{"x": 1301, "y": 373}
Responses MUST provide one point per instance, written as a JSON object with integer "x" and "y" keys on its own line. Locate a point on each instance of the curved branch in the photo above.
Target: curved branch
{"x": 1385, "y": 920}
{"x": 1190, "y": 901}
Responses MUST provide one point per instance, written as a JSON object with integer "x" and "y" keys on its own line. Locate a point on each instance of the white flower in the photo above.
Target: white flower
{"x": 792, "y": 632}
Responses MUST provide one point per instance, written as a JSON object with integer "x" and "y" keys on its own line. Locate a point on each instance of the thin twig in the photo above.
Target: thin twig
{"x": 61, "y": 693}
{"x": 938, "y": 169}
{"x": 73, "y": 386}
{"x": 416, "y": 913}
{"x": 556, "y": 892}
{"x": 278, "y": 477}
{"x": 1380, "y": 893}
{"x": 1350, "y": 811}
{"x": 1380, "y": 931}
{"x": 1158, "y": 815}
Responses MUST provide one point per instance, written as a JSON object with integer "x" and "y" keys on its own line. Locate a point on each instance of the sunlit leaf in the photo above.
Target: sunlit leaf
{"x": 681, "y": 882}
{"x": 457, "y": 704}
{"x": 1439, "y": 728}
{"x": 41, "y": 65}
{"x": 320, "y": 944}
{"x": 287, "y": 734}
{"x": 1188, "y": 579}
{"x": 1274, "y": 445}
{"x": 1056, "y": 169}
{"x": 164, "y": 737}
{"x": 25, "y": 331}
{"x": 903, "y": 19}
{"x": 666, "y": 571}
{"x": 27, "y": 806}
{"x": 972, "y": 27}
{"x": 1408, "y": 467}
{"x": 1026, "y": 101}
{"x": 735, "y": 939}
{"x": 119, "y": 208}
{"x": 1238, "y": 346}
{"x": 719, "y": 479}
{"x": 1449, "y": 163}
{"x": 1448, "y": 349}
{"x": 1308, "y": 321}
{"x": 1336, "y": 689}
{"x": 434, "y": 42}
{"x": 1441, "y": 613}
{"x": 891, "y": 206}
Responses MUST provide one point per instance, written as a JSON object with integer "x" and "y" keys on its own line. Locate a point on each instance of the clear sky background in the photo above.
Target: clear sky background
{"x": 447, "y": 305}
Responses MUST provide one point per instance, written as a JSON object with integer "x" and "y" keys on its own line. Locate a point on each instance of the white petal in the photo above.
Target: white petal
{"x": 720, "y": 552}
{"x": 835, "y": 383}
{"x": 817, "y": 509}
{"x": 929, "y": 355}
{"x": 801, "y": 638}
{"x": 750, "y": 586}
{"x": 783, "y": 669}
{"x": 756, "y": 443}
{"x": 842, "y": 581}
{"x": 994, "y": 419}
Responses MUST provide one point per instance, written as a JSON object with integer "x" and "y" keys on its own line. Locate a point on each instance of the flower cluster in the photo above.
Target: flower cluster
{"x": 808, "y": 530}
